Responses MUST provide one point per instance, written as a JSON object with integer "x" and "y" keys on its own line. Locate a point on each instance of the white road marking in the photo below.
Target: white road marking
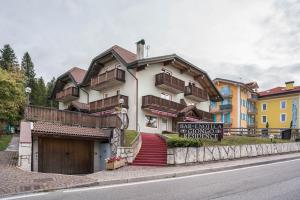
{"x": 25, "y": 196}
{"x": 172, "y": 179}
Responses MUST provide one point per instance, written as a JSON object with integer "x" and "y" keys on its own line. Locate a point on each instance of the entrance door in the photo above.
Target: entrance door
{"x": 164, "y": 124}
{"x": 104, "y": 154}
{"x": 65, "y": 156}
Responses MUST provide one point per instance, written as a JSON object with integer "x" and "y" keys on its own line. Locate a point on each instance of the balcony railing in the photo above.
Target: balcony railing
{"x": 169, "y": 82}
{"x": 252, "y": 111}
{"x": 108, "y": 103}
{"x": 226, "y": 107}
{"x": 46, "y": 114}
{"x": 156, "y": 103}
{"x": 68, "y": 94}
{"x": 108, "y": 79}
{"x": 195, "y": 93}
{"x": 226, "y": 94}
{"x": 252, "y": 97}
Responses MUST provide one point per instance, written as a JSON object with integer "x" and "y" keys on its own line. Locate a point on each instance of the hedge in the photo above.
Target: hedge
{"x": 181, "y": 142}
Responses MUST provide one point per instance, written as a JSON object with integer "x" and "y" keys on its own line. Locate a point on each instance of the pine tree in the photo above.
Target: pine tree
{"x": 39, "y": 93}
{"x": 50, "y": 87}
{"x": 28, "y": 68}
{"x": 8, "y": 59}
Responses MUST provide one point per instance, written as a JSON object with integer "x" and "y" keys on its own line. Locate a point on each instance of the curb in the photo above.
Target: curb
{"x": 189, "y": 173}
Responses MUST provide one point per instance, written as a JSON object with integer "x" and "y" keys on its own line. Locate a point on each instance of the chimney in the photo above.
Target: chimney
{"x": 140, "y": 46}
{"x": 289, "y": 85}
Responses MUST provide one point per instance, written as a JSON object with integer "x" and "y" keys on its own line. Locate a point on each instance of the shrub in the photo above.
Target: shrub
{"x": 181, "y": 142}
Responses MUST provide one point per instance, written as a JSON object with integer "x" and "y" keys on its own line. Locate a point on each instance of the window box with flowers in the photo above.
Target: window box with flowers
{"x": 115, "y": 163}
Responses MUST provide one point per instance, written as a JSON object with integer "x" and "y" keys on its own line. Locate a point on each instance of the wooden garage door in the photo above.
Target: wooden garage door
{"x": 65, "y": 156}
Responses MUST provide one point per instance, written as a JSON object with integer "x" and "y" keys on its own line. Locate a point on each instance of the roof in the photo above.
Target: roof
{"x": 53, "y": 129}
{"x": 279, "y": 91}
{"x": 122, "y": 55}
{"x": 249, "y": 86}
{"x": 76, "y": 75}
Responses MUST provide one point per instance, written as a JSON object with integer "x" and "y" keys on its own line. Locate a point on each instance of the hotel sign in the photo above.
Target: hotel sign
{"x": 201, "y": 130}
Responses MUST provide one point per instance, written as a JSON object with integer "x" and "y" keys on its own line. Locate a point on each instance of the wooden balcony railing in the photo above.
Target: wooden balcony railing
{"x": 46, "y": 114}
{"x": 169, "y": 82}
{"x": 108, "y": 79}
{"x": 195, "y": 93}
{"x": 108, "y": 103}
{"x": 68, "y": 94}
{"x": 153, "y": 102}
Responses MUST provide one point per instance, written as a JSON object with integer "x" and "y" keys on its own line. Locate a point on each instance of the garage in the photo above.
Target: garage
{"x": 65, "y": 156}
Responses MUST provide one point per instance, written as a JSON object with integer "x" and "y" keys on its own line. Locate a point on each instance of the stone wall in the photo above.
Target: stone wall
{"x": 215, "y": 153}
{"x": 127, "y": 153}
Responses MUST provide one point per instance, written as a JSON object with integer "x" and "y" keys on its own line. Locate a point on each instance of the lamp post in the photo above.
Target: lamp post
{"x": 28, "y": 91}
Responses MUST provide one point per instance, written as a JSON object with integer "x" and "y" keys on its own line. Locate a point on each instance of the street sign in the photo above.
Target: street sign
{"x": 201, "y": 130}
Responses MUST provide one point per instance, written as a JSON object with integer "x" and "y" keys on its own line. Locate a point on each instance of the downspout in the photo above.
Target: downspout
{"x": 137, "y": 100}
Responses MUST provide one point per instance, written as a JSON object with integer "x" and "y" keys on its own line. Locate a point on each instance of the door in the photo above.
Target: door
{"x": 104, "y": 154}
{"x": 65, "y": 156}
{"x": 164, "y": 124}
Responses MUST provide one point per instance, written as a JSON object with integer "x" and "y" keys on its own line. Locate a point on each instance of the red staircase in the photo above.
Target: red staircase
{"x": 153, "y": 151}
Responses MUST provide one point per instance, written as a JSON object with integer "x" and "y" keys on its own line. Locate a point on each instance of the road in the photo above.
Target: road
{"x": 272, "y": 181}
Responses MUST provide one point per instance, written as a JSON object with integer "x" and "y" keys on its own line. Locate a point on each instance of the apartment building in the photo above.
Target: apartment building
{"x": 238, "y": 109}
{"x": 158, "y": 92}
{"x": 279, "y": 107}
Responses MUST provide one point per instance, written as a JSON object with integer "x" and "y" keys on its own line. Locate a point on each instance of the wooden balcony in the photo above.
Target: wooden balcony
{"x": 108, "y": 103}
{"x": 195, "y": 93}
{"x": 169, "y": 83}
{"x": 68, "y": 94}
{"x": 108, "y": 79}
{"x": 159, "y": 104}
{"x": 253, "y": 97}
{"x": 46, "y": 114}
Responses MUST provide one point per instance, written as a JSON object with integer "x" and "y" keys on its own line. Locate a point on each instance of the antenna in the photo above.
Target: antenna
{"x": 147, "y": 49}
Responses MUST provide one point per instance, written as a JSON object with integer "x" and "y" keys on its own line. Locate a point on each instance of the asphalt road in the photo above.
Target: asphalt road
{"x": 272, "y": 181}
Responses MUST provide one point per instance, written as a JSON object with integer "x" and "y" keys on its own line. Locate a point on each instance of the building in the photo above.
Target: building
{"x": 279, "y": 107}
{"x": 238, "y": 109}
{"x": 158, "y": 92}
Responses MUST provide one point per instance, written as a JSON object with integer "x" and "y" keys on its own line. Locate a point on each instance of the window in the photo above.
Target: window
{"x": 165, "y": 96}
{"x": 151, "y": 121}
{"x": 264, "y": 107}
{"x": 283, "y": 104}
{"x": 282, "y": 117}
{"x": 264, "y": 119}
{"x": 213, "y": 104}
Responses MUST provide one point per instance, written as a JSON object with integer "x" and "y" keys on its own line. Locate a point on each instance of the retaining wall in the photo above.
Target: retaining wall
{"x": 214, "y": 153}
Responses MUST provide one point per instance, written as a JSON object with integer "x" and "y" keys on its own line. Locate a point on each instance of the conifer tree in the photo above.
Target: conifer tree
{"x": 8, "y": 59}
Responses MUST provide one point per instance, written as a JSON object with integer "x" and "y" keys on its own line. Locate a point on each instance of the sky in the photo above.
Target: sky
{"x": 242, "y": 40}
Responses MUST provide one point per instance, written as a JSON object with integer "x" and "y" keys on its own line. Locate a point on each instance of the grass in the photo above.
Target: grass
{"x": 129, "y": 137}
{"x": 4, "y": 141}
{"x": 234, "y": 140}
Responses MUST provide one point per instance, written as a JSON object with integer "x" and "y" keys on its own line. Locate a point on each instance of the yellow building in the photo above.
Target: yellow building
{"x": 279, "y": 107}
{"x": 238, "y": 109}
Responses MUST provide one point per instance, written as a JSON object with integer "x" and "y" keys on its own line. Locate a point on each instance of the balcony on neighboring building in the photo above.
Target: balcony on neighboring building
{"x": 253, "y": 97}
{"x": 227, "y": 94}
{"x": 108, "y": 79}
{"x": 169, "y": 82}
{"x": 195, "y": 93}
{"x": 108, "y": 103}
{"x": 226, "y": 107}
{"x": 159, "y": 104}
{"x": 68, "y": 94}
{"x": 251, "y": 111}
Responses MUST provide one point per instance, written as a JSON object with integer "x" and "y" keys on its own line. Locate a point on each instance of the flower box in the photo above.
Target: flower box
{"x": 115, "y": 163}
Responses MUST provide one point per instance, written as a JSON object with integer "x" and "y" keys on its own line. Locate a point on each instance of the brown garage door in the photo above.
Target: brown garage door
{"x": 65, "y": 156}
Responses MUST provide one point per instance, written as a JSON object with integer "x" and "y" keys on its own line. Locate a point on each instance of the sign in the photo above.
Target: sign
{"x": 201, "y": 130}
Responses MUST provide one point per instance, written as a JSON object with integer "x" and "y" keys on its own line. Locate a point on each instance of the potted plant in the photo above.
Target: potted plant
{"x": 265, "y": 131}
{"x": 115, "y": 162}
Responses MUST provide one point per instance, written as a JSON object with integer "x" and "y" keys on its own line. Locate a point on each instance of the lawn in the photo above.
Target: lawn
{"x": 4, "y": 141}
{"x": 129, "y": 137}
{"x": 234, "y": 140}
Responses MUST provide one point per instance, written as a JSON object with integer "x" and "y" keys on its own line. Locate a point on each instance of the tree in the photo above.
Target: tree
{"x": 50, "y": 87}
{"x": 28, "y": 68}
{"x": 39, "y": 93}
{"x": 8, "y": 59}
{"x": 12, "y": 98}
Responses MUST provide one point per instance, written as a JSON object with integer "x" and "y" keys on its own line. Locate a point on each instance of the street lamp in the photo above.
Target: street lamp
{"x": 27, "y": 91}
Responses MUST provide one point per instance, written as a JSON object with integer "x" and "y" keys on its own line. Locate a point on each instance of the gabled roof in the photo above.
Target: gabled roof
{"x": 122, "y": 55}
{"x": 250, "y": 86}
{"x": 75, "y": 74}
{"x": 279, "y": 91}
{"x": 201, "y": 76}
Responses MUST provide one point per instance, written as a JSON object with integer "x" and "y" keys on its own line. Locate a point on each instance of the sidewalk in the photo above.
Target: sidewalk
{"x": 139, "y": 173}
